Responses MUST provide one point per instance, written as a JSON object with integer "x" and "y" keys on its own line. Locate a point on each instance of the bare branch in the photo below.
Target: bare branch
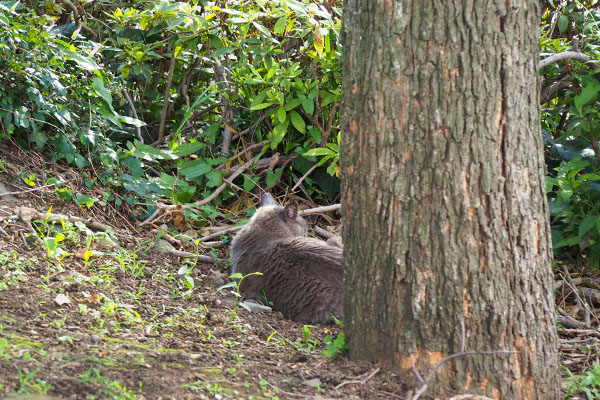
{"x": 549, "y": 90}
{"x": 304, "y": 176}
{"x": 167, "y": 97}
{"x": 361, "y": 381}
{"x": 227, "y": 110}
{"x": 230, "y": 178}
{"x": 133, "y": 115}
{"x": 566, "y": 55}
{"x": 323, "y": 209}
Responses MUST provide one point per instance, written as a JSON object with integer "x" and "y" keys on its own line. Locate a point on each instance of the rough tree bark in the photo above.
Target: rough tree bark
{"x": 446, "y": 232}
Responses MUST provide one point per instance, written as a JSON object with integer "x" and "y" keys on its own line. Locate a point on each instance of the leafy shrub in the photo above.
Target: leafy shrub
{"x": 570, "y": 96}
{"x": 161, "y": 94}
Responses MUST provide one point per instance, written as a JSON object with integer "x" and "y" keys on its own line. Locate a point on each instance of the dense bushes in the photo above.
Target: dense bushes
{"x": 570, "y": 96}
{"x": 170, "y": 96}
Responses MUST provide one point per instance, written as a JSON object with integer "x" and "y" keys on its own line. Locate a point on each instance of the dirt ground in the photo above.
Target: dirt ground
{"x": 126, "y": 323}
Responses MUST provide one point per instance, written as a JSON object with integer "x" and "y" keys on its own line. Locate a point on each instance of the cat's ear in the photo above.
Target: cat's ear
{"x": 267, "y": 200}
{"x": 290, "y": 212}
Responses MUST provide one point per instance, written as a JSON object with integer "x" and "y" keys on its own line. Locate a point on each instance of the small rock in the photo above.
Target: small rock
{"x": 216, "y": 278}
{"x": 62, "y": 299}
{"x": 95, "y": 338}
{"x": 163, "y": 246}
{"x": 255, "y": 307}
{"x": 191, "y": 233}
{"x": 6, "y": 194}
{"x": 217, "y": 302}
{"x": 314, "y": 382}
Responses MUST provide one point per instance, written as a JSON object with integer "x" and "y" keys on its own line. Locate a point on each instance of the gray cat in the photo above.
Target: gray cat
{"x": 302, "y": 276}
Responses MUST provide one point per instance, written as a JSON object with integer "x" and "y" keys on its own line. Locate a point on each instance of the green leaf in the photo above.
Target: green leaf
{"x": 309, "y": 106}
{"x": 132, "y": 121}
{"x": 550, "y": 183}
{"x": 587, "y": 224}
{"x": 293, "y": 103}
{"x": 262, "y": 29}
{"x": 321, "y": 151}
{"x": 570, "y": 241}
{"x": 259, "y": 98}
{"x": 249, "y": 184}
{"x": 186, "y": 149}
{"x": 281, "y": 114}
{"x": 273, "y": 176}
{"x": 563, "y": 23}
{"x": 227, "y": 285}
{"x": 98, "y": 86}
{"x": 315, "y": 134}
{"x": 261, "y": 106}
{"x": 279, "y": 133}
{"x": 592, "y": 87}
{"x": 279, "y": 27}
{"x": 82, "y": 62}
{"x": 150, "y": 153}
{"x": 215, "y": 178}
{"x": 297, "y": 121}
{"x": 194, "y": 169}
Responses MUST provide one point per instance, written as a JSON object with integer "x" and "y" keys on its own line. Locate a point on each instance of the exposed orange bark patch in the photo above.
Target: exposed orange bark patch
{"x": 352, "y": 126}
{"x": 496, "y": 393}
{"x": 471, "y": 213}
{"x": 498, "y": 118}
{"x": 416, "y": 104}
{"x": 354, "y": 88}
{"x": 406, "y": 156}
{"x": 446, "y": 225}
{"x": 440, "y": 131}
{"x": 389, "y": 7}
{"x": 484, "y": 384}
{"x": 465, "y": 185}
{"x": 466, "y": 303}
{"x": 482, "y": 263}
{"x": 526, "y": 384}
{"x": 469, "y": 381}
{"x": 472, "y": 240}
{"x": 434, "y": 357}
{"x": 427, "y": 202}
{"x": 407, "y": 361}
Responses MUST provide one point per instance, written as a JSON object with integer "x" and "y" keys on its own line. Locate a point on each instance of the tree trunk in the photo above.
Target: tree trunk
{"x": 446, "y": 232}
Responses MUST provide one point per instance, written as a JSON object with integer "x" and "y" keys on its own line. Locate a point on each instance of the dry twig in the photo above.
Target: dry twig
{"x": 359, "y": 382}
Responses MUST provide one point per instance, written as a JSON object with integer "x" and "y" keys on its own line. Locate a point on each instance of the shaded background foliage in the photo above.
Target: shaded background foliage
{"x": 168, "y": 96}
{"x": 570, "y": 95}
{"x": 165, "y": 99}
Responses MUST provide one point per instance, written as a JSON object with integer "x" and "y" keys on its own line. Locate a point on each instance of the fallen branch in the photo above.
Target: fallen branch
{"x": 560, "y": 284}
{"x": 35, "y": 189}
{"x": 567, "y": 321}
{"x": 359, "y": 382}
{"x": 232, "y": 229}
{"x": 323, "y": 209}
{"x": 27, "y": 214}
{"x": 186, "y": 254}
{"x": 220, "y": 233}
{"x": 580, "y": 301}
{"x": 323, "y": 233}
